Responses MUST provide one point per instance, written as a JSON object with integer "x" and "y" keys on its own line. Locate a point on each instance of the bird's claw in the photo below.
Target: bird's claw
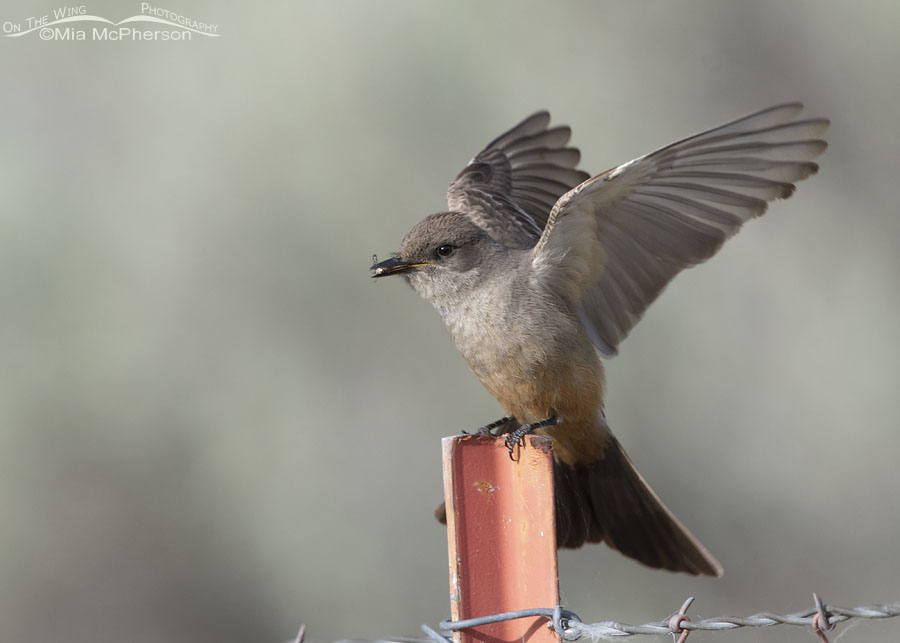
{"x": 488, "y": 429}
{"x": 516, "y": 437}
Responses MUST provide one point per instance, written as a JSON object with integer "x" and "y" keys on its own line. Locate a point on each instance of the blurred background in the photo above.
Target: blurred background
{"x": 214, "y": 426}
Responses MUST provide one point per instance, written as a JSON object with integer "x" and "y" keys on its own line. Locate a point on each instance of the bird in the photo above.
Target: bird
{"x": 540, "y": 271}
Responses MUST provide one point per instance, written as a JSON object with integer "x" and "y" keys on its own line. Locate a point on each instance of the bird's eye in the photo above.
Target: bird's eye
{"x": 445, "y": 250}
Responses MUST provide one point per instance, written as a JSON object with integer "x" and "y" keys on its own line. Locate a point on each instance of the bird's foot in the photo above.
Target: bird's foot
{"x": 516, "y": 437}
{"x": 488, "y": 429}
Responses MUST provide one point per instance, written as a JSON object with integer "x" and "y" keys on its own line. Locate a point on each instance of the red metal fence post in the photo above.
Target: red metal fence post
{"x": 502, "y": 535}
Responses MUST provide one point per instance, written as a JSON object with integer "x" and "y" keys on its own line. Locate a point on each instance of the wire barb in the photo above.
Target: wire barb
{"x": 820, "y": 620}
{"x": 679, "y": 618}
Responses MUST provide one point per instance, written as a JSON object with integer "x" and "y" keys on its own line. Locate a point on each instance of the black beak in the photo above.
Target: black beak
{"x": 394, "y": 266}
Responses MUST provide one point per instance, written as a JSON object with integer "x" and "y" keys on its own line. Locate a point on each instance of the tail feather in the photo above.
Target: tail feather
{"x": 609, "y": 501}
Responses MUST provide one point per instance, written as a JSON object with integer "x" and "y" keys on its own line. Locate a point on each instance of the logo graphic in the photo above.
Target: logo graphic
{"x": 69, "y": 23}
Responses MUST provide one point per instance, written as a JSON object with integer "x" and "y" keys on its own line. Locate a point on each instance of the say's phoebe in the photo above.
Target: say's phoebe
{"x": 537, "y": 267}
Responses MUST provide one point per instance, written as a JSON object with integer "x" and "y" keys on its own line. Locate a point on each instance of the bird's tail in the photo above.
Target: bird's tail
{"x": 609, "y": 501}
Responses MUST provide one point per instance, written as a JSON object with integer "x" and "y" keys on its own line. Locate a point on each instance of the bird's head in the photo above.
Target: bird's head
{"x": 443, "y": 257}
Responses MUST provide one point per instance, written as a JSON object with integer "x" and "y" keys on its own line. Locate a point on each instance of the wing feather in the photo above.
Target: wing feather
{"x": 510, "y": 187}
{"x": 648, "y": 219}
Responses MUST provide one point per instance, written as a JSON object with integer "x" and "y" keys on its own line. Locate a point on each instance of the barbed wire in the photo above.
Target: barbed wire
{"x": 568, "y": 625}
{"x": 821, "y": 618}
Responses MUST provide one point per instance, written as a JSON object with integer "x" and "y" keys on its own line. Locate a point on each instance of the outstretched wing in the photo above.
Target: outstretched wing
{"x": 511, "y": 186}
{"x": 613, "y": 243}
